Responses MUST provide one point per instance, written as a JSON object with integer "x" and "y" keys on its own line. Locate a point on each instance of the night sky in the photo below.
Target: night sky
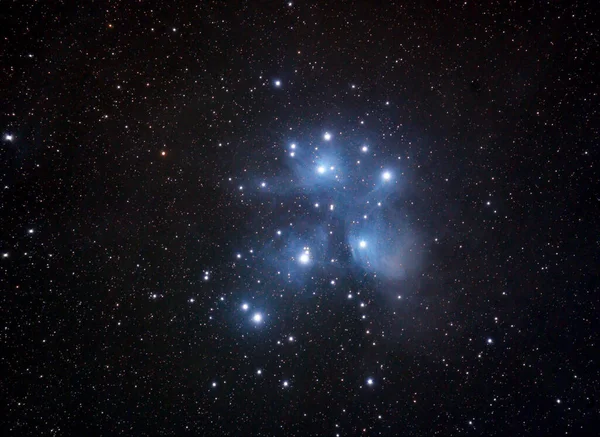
{"x": 306, "y": 218}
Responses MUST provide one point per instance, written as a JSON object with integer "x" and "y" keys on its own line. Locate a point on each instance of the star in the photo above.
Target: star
{"x": 277, "y": 83}
{"x": 8, "y": 137}
{"x": 490, "y": 341}
{"x": 305, "y": 257}
{"x": 245, "y": 307}
{"x": 387, "y": 176}
{"x": 290, "y": 338}
{"x": 5, "y": 255}
{"x": 214, "y": 384}
{"x": 362, "y": 244}
{"x": 285, "y": 383}
{"x": 30, "y": 231}
{"x": 370, "y": 381}
{"x": 292, "y": 146}
{"x": 327, "y": 136}
{"x": 259, "y": 372}
{"x": 257, "y": 317}
{"x": 364, "y": 149}
{"x": 263, "y": 184}
{"x": 321, "y": 169}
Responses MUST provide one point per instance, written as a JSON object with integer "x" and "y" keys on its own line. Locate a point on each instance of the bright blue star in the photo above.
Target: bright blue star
{"x": 305, "y": 257}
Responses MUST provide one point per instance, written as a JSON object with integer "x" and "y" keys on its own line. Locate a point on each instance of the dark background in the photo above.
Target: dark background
{"x": 495, "y": 101}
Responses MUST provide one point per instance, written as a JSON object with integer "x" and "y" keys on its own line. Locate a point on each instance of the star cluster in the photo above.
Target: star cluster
{"x": 296, "y": 218}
